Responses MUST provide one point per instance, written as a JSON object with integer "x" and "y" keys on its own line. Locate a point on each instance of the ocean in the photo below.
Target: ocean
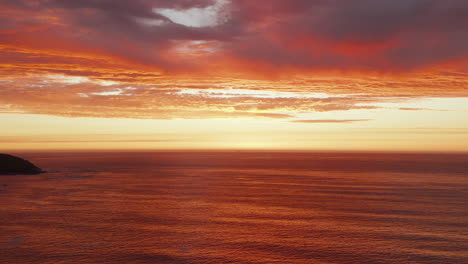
{"x": 236, "y": 207}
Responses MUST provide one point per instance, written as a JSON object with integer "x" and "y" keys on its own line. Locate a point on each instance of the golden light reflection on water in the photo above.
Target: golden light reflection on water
{"x": 227, "y": 207}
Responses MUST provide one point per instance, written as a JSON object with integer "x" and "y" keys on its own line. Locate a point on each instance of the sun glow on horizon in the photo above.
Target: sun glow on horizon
{"x": 225, "y": 74}
{"x": 383, "y": 128}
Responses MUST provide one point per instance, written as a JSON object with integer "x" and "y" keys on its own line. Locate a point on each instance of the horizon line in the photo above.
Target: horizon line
{"x": 236, "y": 150}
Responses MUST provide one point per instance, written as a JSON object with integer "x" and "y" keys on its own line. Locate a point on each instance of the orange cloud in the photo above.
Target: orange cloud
{"x": 133, "y": 60}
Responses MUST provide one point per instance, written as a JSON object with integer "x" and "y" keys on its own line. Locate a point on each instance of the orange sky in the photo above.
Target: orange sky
{"x": 202, "y": 74}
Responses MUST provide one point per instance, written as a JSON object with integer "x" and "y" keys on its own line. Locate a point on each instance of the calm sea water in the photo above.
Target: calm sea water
{"x": 237, "y": 207}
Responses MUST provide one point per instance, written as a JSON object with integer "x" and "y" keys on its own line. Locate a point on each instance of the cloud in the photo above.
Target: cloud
{"x": 327, "y": 121}
{"x": 371, "y": 35}
{"x": 364, "y": 34}
{"x": 82, "y": 97}
{"x": 416, "y": 109}
{"x": 358, "y": 52}
{"x": 99, "y": 30}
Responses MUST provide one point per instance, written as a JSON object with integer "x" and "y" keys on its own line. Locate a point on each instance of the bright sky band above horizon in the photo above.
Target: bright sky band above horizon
{"x": 365, "y": 75}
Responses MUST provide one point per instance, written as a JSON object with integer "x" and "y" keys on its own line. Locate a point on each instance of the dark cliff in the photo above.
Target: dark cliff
{"x": 14, "y": 165}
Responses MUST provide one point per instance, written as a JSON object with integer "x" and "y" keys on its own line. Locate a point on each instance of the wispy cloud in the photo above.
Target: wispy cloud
{"x": 417, "y": 109}
{"x": 90, "y": 99}
{"x": 327, "y": 121}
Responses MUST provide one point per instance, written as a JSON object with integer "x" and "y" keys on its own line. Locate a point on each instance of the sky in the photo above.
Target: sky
{"x": 363, "y": 75}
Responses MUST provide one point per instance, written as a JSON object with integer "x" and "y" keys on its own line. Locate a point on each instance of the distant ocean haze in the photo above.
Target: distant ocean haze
{"x": 236, "y": 207}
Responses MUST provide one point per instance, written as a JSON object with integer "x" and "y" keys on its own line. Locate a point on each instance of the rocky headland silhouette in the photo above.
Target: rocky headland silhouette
{"x": 11, "y": 165}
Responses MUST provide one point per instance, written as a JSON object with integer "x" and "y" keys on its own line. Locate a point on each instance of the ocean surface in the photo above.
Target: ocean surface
{"x": 236, "y": 207}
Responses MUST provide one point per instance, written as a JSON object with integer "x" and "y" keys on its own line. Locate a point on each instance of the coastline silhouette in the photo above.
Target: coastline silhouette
{"x": 12, "y": 165}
